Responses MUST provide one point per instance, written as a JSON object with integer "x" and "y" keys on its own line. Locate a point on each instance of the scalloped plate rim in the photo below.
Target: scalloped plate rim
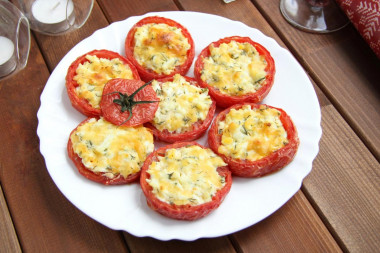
{"x": 181, "y": 229}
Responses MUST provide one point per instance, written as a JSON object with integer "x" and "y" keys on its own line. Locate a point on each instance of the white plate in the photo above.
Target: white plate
{"x": 124, "y": 207}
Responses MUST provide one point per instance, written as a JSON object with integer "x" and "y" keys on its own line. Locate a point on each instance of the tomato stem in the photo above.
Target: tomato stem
{"x": 126, "y": 101}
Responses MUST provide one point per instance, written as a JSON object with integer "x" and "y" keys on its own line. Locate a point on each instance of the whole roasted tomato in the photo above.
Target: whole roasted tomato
{"x": 82, "y": 104}
{"x": 265, "y": 165}
{"x": 183, "y": 211}
{"x": 226, "y": 99}
{"x": 197, "y": 129}
{"x": 164, "y": 43}
{"x": 128, "y": 102}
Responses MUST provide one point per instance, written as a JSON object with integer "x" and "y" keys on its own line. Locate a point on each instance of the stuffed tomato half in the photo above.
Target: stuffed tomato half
{"x": 253, "y": 139}
{"x": 235, "y": 70}
{"x": 185, "y": 181}
{"x": 159, "y": 47}
{"x": 185, "y": 110}
{"x": 88, "y": 74}
{"x": 109, "y": 154}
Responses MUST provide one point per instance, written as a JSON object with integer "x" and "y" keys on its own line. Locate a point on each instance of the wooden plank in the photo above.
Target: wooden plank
{"x": 345, "y": 186}
{"x": 144, "y": 244}
{"x": 343, "y": 66}
{"x": 44, "y": 220}
{"x": 295, "y": 227}
{"x": 120, "y": 10}
{"x": 8, "y": 237}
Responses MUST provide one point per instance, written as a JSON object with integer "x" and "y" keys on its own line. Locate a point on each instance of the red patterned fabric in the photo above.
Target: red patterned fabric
{"x": 365, "y": 16}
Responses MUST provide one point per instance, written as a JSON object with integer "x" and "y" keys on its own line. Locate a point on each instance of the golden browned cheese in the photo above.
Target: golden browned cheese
{"x": 95, "y": 73}
{"x": 234, "y": 68}
{"x": 110, "y": 149}
{"x": 251, "y": 133}
{"x": 160, "y": 47}
{"x": 186, "y": 175}
{"x": 181, "y": 105}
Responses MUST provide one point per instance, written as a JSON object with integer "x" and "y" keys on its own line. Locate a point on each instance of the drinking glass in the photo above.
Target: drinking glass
{"x": 318, "y": 16}
{"x": 14, "y": 39}
{"x": 56, "y": 17}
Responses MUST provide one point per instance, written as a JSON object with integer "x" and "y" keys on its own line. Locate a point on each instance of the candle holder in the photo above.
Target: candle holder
{"x": 56, "y": 17}
{"x": 14, "y": 39}
{"x": 316, "y": 16}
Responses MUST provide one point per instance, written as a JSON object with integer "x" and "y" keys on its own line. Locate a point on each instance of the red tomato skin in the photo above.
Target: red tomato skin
{"x": 141, "y": 113}
{"x": 224, "y": 100}
{"x": 269, "y": 164}
{"x": 147, "y": 74}
{"x": 96, "y": 177}
{"x": 81, "y": 104}
{"x": 198, "y": 129}
{"x": 182, "y": 212}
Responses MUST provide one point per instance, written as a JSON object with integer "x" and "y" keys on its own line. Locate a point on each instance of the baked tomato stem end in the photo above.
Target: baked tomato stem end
{"x": 126, "y": 101}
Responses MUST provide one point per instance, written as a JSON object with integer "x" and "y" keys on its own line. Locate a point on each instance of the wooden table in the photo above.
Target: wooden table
{"x": 337, "y": 208}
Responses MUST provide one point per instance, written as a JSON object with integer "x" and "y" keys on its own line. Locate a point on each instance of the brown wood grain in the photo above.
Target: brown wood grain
{"x": 45, "y": 221}
{"x": 242, "y": 10}
{"x": 344, "y": 67}
{"x": 144, "y": 244}
{"x": 344, "y": 185}
{"x": 8, "y": 238}
{"x": 295, "y": 227}
{"x": 120, "y": 10}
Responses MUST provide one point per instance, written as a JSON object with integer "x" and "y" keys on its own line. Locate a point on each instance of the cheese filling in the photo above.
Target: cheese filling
{"x": 234, "y": 68}
{"x": 160, "y": 47}
{"x": 93, "y": 74}
{"x": 251, "y": 133}
{"x": 113, "y": 150}
{"x": 186, "y": 175}
{"x": 181, "y": 105}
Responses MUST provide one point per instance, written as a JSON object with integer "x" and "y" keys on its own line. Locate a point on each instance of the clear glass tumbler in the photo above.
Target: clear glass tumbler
{"x": 55, "y": 17}
{"x": 14, "y": 39}
{"x": 318, "y": 16}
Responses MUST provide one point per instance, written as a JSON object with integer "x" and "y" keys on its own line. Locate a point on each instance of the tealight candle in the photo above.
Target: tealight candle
{"x": 7, "y": 61}
{"x": 53, "y": 16}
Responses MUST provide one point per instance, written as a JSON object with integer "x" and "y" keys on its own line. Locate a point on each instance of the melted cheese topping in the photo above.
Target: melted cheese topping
{"x": 251, "y": 133}
{"x": 160, "y": 47}
{"x": 186, "y": 175}
{"x": 234, "y": 68}
{"x": 106, "y": 148}
{"x": 181, "y": 105}
{"x": 95, "y": 73}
